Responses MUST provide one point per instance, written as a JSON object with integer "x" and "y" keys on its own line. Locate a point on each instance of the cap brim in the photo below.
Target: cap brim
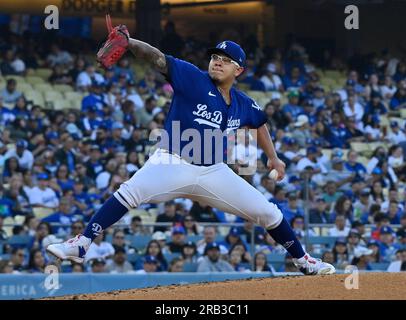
{"x": 210, "y": 51}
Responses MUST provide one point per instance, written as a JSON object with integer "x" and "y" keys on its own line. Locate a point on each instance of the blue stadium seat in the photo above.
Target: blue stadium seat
{"x": 170, "y": 256}
{"x": 326, "y": 240}
{"x": 194, "y": 238}
{"x": 190, "y": 267}
{"x": 20, "y": 241}
{"x": 276, "y": 260}
{"x": 5, "y": 256}
{"x": 379, "y": 266}
{"x": 140, "y": 242}
{"x": 133, "y": 257}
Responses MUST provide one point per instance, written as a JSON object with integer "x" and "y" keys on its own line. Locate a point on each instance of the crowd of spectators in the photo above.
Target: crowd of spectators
{"x": 70, "y": 161}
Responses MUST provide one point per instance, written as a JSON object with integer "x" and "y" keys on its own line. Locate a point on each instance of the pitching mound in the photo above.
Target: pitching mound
{"x": 376, "y": 286}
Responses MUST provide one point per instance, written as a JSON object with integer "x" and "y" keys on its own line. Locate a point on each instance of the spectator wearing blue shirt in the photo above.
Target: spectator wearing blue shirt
{"x": 255, "y": 82}
{"x": 81, "y": 199}
{"x": 6, "y": 115}
{"x": 352, "y": 165}
{"x": 62, "y": 178}
{"x": 398, "y": 100}
{"x": 279, "y": 198}
{"x": 319, "y": 213}
{"x": 292, "y": 109}
{"x": 387, "y": 247}
{"x": 375, "y": 105}
{"x": 292, "y": 208}
{"x": 65, "y": 155}
{"x": 394, "y": 212}
{"x": 294, "y": 80}
{"x": 95, "y": 98}
{"x": 336, "y": 134}
{"x": 65, "y": 216}
{"x": 233, "y": 237}
{"x": 91, "y": 121}
{"x": 123, "y": 68}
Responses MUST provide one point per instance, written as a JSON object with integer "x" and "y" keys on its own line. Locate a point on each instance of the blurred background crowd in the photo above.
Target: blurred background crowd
{"x": 71, "y": 133}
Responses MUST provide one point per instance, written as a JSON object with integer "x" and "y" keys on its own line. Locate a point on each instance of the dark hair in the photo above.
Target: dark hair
{"x": 160, "y": 257}
{"x": 339, "y": 207}
{"x": 266, "y": 266}
{"x": 194, "y": 227}
{"x": 31, "y": 261}
{"x": 45, "y": 224}
{"x": 172, "y": 263}
{"x": 243, "y": 259}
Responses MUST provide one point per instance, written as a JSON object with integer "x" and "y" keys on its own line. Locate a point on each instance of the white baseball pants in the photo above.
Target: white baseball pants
{"x": 166, "y": 176}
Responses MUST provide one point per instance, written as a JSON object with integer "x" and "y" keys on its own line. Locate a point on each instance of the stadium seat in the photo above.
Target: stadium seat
{"x": 43, "y": 87}
{"x": 276, "y": 260}
{"x": 335, "y": 74}
{"x": 16, "y": 78}
{"x": 34, "y": 80}
{"x": 35, "y": 96}
{"x": 71, "y": 95}
{"x": 326, "y": 240}
{"x": 41, "y": 213}
{"x": 140, "y": 242}
{"x": 19, "y": 241}
{"x": 61, "y": 104}
{"x": 194, "y": 238}
{"x": 132, "y": 258}
{"x": 23, "y": 86}
{"x": 63, "y": 87}
{"x": 327, "y": 152}
{"x": 43, "y": 73}
{"x": 190, "y": 267}
{"x": 360, "y": 147}
{"x": 52, "y": 95}
{"x": 379, "y": 266}
{"x": 256, "y": 95}
{"x": 75, "y": 104}
{"x": 170, "y": 256}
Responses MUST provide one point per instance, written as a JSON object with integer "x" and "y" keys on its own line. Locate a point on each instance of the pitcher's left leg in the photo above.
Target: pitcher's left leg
{"x": 220, "y": 187}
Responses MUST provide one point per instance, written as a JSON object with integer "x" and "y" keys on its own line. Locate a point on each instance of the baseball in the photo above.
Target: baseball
{"x": 273, "y": 174}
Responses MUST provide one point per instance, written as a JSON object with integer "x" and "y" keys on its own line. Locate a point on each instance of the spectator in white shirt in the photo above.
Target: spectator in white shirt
{"x": 353, "y": 108}
{"x": 311, "y": 161}
{"x": 86, "y": 78}
{"x": 395, "y": 136}
{"x": 42, "y": 195}
{"x": 388, "y": 89}
{"x": 9, "y": 93}
{"x": 24, "y": 156}
{"x": 340, "y": 229}
{"x": 103, "y": 179}
{"x": 58, "y": 56}
{"x": 271, "y": 81}
{"x": 99, "y": 249}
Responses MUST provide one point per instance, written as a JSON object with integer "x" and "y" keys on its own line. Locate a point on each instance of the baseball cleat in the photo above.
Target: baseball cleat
{"x": 73, "y": 249}
{"x": 311, "y": 266}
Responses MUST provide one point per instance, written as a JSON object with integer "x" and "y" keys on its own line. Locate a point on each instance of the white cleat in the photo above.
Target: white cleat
{"x": 311, "y": 266}
{"x": 73, "y": 249}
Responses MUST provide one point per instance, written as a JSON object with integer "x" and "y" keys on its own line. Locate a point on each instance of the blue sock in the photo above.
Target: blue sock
{"x": 111, "y": 211}
{"x": 284, "y": 235}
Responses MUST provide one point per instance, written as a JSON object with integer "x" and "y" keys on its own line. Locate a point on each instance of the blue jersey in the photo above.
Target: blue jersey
{"x": 198, "y": 108}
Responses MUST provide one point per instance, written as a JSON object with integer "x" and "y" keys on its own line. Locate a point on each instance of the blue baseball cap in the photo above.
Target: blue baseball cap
{"x": 150, "y": 259}
{"x": 234, "y": 232}
{"x": 22, "y": 144}
{"x": 386, "y": 230}
{"x": 311, "y": 149}
{"x": 377, "y": 170}
{"x": 212, "y": 245}
{"x": 42, "y": 176}
{"x": 230, "y": 49}
{"x": 178, "y": 229}
{"x": 394, "y": 124}
{"x": 293, "y": 179}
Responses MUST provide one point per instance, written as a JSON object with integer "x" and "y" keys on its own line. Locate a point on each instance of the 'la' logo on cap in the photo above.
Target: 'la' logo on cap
{"x": 223, "y": 45}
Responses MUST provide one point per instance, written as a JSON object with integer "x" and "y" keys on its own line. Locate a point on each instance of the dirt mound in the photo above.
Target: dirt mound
{"x": 376, "y": 286}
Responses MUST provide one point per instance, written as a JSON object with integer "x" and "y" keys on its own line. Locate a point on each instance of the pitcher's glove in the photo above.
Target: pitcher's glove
{"x": 115, "y": 46}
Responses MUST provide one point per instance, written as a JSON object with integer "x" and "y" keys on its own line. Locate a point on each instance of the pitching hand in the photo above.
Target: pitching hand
{"x": 279, "y": 166}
